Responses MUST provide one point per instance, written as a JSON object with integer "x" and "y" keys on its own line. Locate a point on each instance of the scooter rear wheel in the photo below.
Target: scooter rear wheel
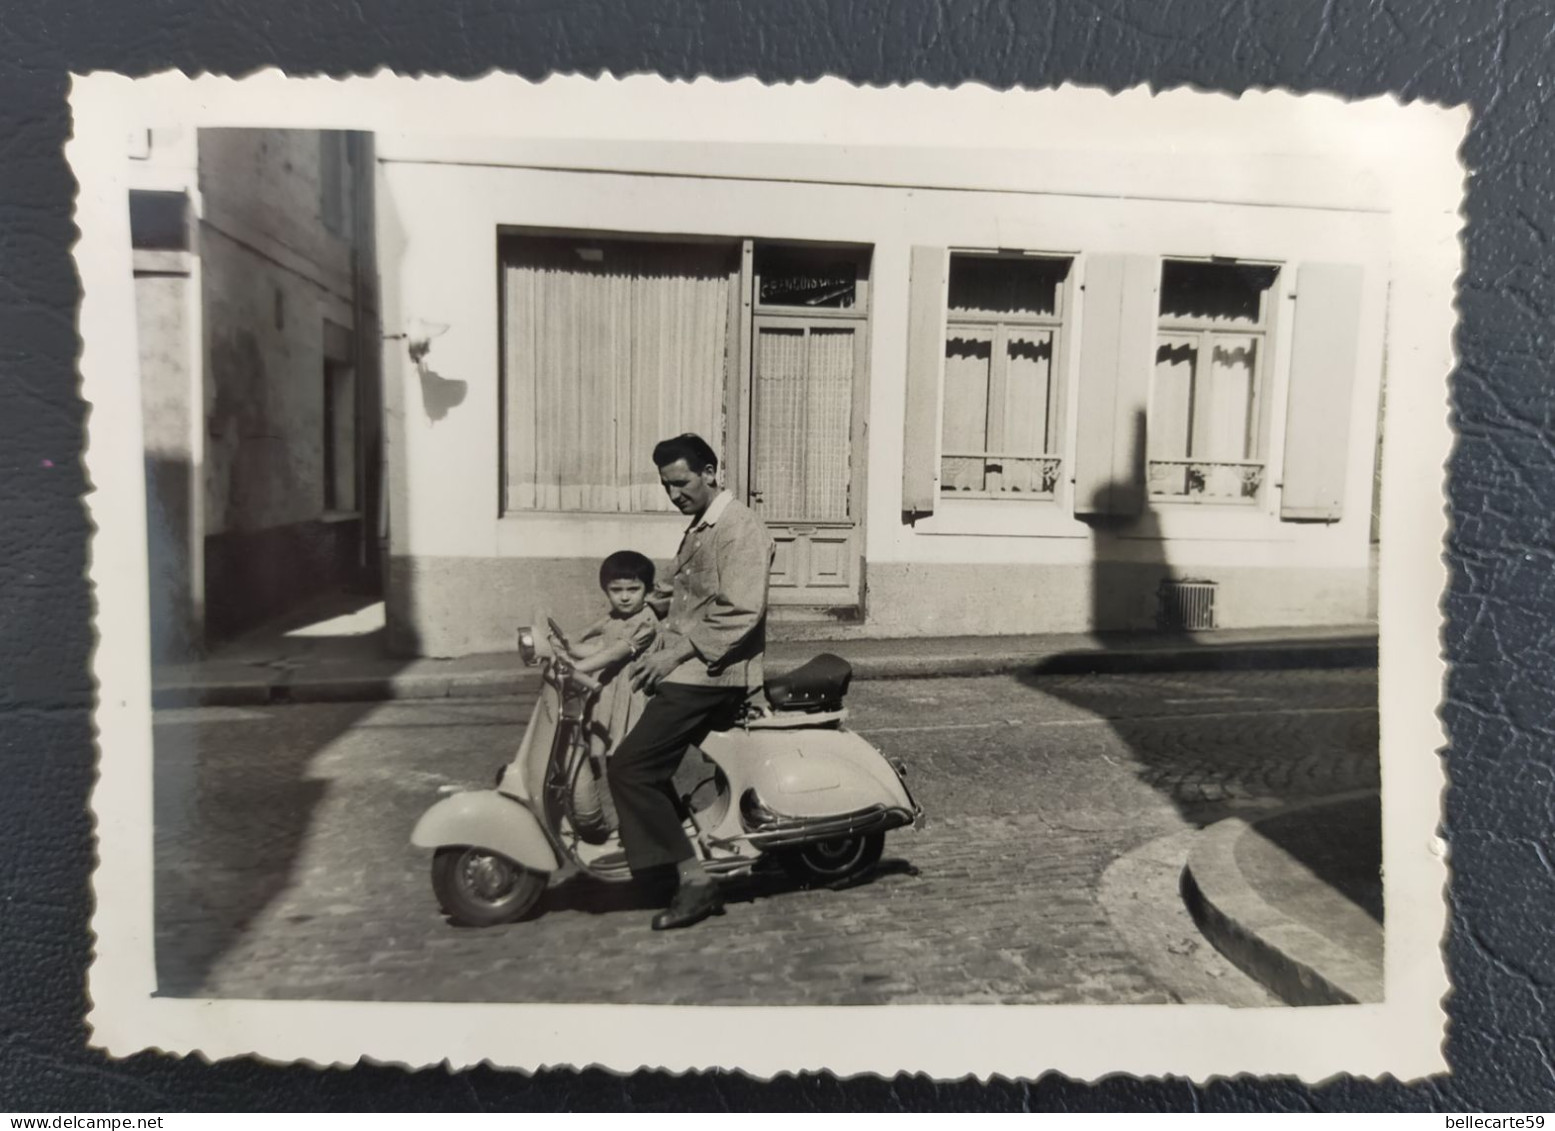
{"x": 830, "y": 861}
{"x": 477, "y": 888}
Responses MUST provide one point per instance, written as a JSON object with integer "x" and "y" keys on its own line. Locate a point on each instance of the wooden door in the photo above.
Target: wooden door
{"x": 806, "y": 457}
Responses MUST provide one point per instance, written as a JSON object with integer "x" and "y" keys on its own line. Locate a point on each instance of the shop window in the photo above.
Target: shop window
{"x": 808, "y": 278}
{"x": 1207, "y": 399}
{"x": 1001, "y": 415}
{"x": 609, "y": 345}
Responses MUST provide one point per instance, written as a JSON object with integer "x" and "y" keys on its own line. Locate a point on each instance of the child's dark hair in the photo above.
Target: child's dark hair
{"x": 626, "y": 565}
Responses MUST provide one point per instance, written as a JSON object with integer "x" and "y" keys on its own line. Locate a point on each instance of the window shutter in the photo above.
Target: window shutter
{"x": 925, "y": 364}
{"x": 1117, "y": 351}
{"x": 1324, "y": 341}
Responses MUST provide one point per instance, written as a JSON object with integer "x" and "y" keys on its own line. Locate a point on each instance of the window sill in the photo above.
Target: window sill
{"x": 591, "y": 534}
{"x": 1006, "y": 516}
{"x": 1054, "y": 518}
{"x": 534, "y": 516}
{"x": 1207, "y": 501}
{"x": 154, "y": 261}
{"x": 1207, "y": 522}
{"x": 1001, "y": 497}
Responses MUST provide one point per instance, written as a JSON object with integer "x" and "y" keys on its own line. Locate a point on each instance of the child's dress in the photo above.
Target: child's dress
{"x": 615, "y": 711}
{"x": 619, "y": 706}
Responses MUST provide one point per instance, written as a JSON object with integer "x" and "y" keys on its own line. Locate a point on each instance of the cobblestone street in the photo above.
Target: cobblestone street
{"x": 284, "y": 868}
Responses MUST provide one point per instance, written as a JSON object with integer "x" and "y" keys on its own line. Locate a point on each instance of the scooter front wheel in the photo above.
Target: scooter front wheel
{"x": 830, "y": 861}
{"x": 478, "y": 888}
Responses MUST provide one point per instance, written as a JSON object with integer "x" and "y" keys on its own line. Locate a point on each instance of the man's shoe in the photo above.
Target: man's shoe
{"x": 692, "y": 904}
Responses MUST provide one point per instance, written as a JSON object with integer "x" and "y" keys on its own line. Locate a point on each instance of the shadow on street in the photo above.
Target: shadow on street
{"x": 248, "y": 825}
{"x": 766, "y": 881}
{"x": 1351, "y": 873}
{"x": 1219, "y": 761}
{"x": 249, "y": 816}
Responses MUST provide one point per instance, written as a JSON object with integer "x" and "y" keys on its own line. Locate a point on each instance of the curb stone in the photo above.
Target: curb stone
{"x": 1292, "y": 960}
{"x": 1142, "y": 903}
{"x": 300, "y": 686}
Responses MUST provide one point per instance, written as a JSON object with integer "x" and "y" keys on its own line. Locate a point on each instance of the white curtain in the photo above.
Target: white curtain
{"x": 609, "y": 347}
{"x": 1204, "y": 412}
{"x": 1028, "y": 399}
{"x": 1171, "y": 408}
{"x": 998, "y": 401}
{"x": 1229, "y": 425}
{"x": 829, "y": 424}
{"x": 968, "y": 367}
{"x": 779, "y": 421}
{"x": 803, "y": 421}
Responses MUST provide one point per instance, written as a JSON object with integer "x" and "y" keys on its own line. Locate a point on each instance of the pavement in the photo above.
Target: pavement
{"x": 1120, "y": 818}
{"x": 335, "y": 653}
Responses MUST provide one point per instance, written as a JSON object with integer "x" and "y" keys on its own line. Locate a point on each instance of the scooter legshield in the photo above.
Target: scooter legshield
{"x": 486, "y": 819}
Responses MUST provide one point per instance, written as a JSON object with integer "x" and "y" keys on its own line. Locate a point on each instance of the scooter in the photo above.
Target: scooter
{"x": 787, "y": 781}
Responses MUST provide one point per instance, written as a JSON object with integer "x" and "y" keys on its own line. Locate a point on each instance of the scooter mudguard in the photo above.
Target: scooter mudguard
{"x": 490, "y": 820}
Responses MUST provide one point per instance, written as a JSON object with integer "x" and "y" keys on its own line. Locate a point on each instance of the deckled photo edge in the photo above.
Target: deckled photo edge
{"x": 126, "y": 1017}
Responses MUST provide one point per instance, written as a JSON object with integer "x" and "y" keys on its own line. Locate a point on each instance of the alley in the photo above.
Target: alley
{"x": 284, "y": 868}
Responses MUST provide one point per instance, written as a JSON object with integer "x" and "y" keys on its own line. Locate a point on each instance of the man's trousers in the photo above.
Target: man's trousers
{"x": 642, "y": 769}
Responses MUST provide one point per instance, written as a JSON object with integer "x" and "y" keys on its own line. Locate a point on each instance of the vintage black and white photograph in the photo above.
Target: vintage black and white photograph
{"x": 964, "y": 552}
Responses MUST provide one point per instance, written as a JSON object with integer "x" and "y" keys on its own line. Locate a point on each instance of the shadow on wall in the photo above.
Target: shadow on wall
{"x": 403, "y": 638}
{"x": 438, "y": 393}
{"x": 175, "y": 634}
{"x": 246, "y": 457}
{"x": 1128, "y": 556}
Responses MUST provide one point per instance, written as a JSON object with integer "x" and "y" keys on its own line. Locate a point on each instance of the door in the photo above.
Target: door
{"x": 797, "y": 416}
{"x": 805, "y": 462}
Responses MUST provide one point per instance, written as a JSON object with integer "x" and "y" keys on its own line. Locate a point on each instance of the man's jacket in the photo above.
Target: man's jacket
{"x": 715, "y": 596}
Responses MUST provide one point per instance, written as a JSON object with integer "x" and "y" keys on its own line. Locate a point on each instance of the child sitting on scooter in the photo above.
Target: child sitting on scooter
{"x": 613, "y": 642}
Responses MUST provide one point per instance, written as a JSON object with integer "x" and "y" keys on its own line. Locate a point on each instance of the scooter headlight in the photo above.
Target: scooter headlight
{"x": 526, "y": 646}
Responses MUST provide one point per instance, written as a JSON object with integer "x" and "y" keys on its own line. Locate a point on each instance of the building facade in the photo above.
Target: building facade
{"x": 970, "y": 393}
{"x": 258, "y": 337}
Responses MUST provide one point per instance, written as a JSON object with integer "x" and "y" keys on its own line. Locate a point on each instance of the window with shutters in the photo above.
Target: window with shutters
{"x": 1001, "y": 420}
{"x": 1205, "y": 431}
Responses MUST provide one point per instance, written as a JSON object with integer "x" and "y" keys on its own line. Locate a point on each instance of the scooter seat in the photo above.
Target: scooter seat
{"x": 816, "y": 685}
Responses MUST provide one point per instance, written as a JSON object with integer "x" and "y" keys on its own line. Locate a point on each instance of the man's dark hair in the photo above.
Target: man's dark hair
{"x": 688, "y": 446}
{"x": 626, "y": 565}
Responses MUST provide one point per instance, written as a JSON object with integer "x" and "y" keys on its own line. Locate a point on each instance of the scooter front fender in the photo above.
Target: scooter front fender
{"x": 490, "y": 820}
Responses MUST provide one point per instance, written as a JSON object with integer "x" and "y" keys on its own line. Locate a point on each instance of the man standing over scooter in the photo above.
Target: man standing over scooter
{"x": 706, "y": 662}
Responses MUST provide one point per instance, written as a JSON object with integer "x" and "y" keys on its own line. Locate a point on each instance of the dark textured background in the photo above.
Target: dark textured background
{"x": 1497, "y": 56}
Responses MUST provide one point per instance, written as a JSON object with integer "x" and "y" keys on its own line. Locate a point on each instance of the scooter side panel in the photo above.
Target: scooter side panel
{"x": 816, "y": 773}
{"x": 486, "y": 819}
